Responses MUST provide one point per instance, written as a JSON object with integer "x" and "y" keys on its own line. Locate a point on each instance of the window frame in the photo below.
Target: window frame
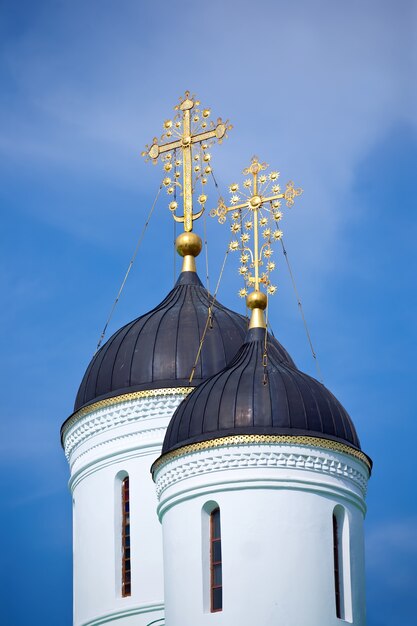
{"x": 215, "y": 563}
{"x": 336, "y": 566}
{"x": 126, "y": 544}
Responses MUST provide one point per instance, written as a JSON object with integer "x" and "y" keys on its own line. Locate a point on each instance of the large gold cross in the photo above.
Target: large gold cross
{"x": 256, "y": 198}
{"x": 185, "y": 127}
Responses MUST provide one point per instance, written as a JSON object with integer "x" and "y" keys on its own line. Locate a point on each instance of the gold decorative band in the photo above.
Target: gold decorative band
{"x": 236, "y": 440}
{"x": 134, "y": 395}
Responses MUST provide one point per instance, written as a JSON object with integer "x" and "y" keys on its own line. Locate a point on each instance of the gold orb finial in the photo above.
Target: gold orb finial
{"x": 256, "y": 300}
{"x": 188, "y": 245}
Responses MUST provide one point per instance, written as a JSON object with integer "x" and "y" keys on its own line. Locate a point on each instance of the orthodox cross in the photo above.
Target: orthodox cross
{"x": 253, "y": 208}
{"x": 190, "y": 127}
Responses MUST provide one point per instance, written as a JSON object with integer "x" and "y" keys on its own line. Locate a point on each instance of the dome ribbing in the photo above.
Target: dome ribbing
{"x": 158, "y": 349}
{"x": 248, "y": 398}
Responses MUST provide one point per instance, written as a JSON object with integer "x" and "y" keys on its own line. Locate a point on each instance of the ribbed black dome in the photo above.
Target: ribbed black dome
{"x": 236, "y": 401}
{"x": 159, "y": 348}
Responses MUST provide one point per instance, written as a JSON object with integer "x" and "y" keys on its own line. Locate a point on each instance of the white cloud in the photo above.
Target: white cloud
{"x": 310, "y": 84}
{"x": 310, "y": 88}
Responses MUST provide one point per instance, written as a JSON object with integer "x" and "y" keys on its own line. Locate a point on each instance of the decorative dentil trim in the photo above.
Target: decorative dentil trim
{"x": 234, "y": 440}
{"x": 243, "y": 457}
{"x": 131, "y": 409}
{"x": 134, "y": 395}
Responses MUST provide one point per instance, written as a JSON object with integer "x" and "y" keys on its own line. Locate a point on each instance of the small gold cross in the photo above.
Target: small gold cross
{"x": 258, "y": 207}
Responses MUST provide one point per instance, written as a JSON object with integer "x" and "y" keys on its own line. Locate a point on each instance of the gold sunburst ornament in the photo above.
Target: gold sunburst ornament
{"x": 186, "y": 139}
{"x": 255, "y": 218}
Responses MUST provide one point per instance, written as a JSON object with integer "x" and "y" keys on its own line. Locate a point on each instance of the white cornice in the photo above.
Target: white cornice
{"x": 261, "y": 456}
{"x": 105, "y": 418}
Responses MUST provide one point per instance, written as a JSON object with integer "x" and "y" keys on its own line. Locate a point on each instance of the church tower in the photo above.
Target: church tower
{"x": 257, "y": 517}
{"x": 262, "y": 481}
{"x": 126, "y": 399}
{"x": 129, "y": 392}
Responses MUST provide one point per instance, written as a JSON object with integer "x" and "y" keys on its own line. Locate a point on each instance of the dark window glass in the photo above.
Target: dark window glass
{"x": 216, "y": 524}
{"x": 217, "y": 574}
{"x": 336, "y": 559}
{"x": 216, "y": 583}
{"x": 217, "y": 603}
{"x": 126, "y": 574}
{"x": 217, "y": 550}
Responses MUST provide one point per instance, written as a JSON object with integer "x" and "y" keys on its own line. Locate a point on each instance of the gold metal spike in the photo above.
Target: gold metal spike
{"x": 190, "y": 129}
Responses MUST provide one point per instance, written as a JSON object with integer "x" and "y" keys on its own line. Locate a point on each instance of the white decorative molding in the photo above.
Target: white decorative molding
{"x": 107, "y": 458}
{"x": 105, "y": 418}
{"x": 261, "y": 456}
{"x": 156, "y": 434}
{"x": 129, "y": 612}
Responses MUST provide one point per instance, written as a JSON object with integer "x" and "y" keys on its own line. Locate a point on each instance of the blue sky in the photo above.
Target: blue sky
{"x": 323, "y": 91}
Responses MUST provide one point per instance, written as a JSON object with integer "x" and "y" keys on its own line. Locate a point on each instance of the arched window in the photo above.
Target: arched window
{"x": 336, "y": 565}
{"x": 126, "y": 569}
{"x": 216, "y": 584}
{"x": 341, "y": 564}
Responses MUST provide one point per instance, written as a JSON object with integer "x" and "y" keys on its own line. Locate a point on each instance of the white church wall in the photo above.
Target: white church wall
{"x": 102, "y": 447}
{"x": 276, "y": 505}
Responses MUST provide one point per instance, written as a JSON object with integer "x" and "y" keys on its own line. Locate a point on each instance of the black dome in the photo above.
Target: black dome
{"x": 159, "y": 348}
{"x": 236, "y": 401}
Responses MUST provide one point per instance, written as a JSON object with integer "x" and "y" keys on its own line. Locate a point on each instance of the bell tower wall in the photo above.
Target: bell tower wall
{"x": 105, "y": 443}
{"x": 280, "y": 560}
